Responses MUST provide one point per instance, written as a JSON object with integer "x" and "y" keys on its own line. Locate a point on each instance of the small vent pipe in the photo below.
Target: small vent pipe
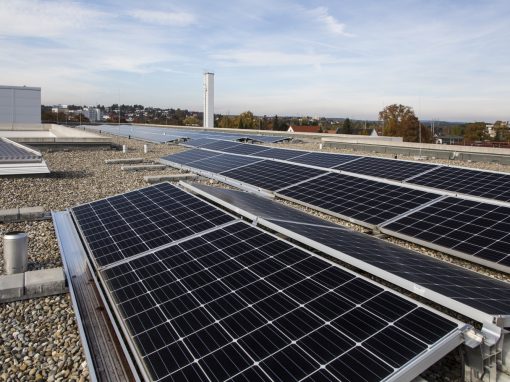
{"x": 15, "y": 252}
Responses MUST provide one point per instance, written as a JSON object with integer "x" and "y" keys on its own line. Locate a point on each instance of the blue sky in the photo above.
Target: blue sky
{"x": 448, "y": 59}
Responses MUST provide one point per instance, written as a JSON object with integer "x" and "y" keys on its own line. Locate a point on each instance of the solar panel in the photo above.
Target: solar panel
{"x": 323, "y": 159}
{"x": 271, "y": 175}
{"x": 129, "y": 224}
{"x": 11, "y": 152}
{"x": 238, "y": 303}
{"x": 479, "y": 230}
{"x": 385, "y": 168}
{"x": 220, "y": 145}
{"x": 283, "y": 154}
{"x": 223, "y": 162}
{"x": 145, "y": 133}
{"x": 189, "y": 156}
{"x": 486, "y": 184}
{"x": 198, "y": 142}
{"x": 480, "y": 297}
{"x": 246, "y": 149}
{"x": 262, "y": 207}
{"x": 364, "y": 201}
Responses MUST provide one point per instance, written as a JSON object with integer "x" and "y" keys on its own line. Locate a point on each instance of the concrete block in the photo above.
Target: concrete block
{"x": 11, "y": 287}
{"x": 9, "y": 215}
{"x": 124, "y": 160}
{"x": 44, "y": 282}
{"x": 31, "y": 213}
{"x": 169, "y": 178}
{"x": 143, "y": 167}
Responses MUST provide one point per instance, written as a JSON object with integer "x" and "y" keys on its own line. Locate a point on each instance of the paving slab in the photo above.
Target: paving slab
{"x": 45, "y": 282}
{"x": 11, "y": 287}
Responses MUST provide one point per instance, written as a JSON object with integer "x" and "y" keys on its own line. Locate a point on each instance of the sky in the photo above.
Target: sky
{"x": 447, "y": 59}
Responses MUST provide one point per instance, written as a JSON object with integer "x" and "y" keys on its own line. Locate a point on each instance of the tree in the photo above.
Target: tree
{"x": 400, "y": 121}
{"x": 275, "y": 123}
{"x": 191, "y": 121}
{"x": 346, "y": 127}
{"x": 502, "y": 131}
{"x": 474, "y": 132}
{"x": 246, "y": 120}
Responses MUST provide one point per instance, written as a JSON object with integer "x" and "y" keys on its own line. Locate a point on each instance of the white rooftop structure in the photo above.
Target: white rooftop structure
{"x": 20, "y": 107}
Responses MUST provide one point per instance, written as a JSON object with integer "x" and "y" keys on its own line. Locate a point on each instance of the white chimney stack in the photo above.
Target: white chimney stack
{"x": 208, "y": 99}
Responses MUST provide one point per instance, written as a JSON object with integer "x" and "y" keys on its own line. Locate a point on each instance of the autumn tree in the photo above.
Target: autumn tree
{"x": 246, "y": 120}
{"x": 191, "y": 121}
{"x": 400, "y": 121}
{"x": 476, "y": 131}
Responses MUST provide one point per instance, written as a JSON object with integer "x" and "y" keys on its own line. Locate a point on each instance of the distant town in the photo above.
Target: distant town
{"x": 394, "y": 120}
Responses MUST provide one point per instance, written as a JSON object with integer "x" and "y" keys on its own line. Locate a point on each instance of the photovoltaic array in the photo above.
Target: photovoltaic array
{"x": 231, "y": 302}
{"x": 475, "y": 291}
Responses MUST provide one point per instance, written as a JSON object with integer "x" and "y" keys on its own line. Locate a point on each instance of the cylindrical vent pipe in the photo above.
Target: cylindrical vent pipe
{"x": 145, "y": 149}
{"x": 15, "y": 252}
{"x": 124, "y": 148}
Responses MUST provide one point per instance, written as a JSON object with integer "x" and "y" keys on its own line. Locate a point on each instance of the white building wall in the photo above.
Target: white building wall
{"x": 19, "y": 106}
{"x": 208, "y": 99}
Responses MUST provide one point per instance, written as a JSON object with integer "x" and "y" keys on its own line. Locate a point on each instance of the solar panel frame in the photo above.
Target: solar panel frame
{"x": 475, "y": 231}
{"x": 362, "y": 201}
{"x": 474, "y": 295}
{"x": 238, "y": 332}
{"x": 484, "y": 184}
{"x": 385, "y": 168}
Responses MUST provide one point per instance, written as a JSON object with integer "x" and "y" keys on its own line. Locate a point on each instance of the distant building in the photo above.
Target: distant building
{"x": 93, "y": 114}
{"x": 304, "y": 129}
{"x": 19, "y": 106}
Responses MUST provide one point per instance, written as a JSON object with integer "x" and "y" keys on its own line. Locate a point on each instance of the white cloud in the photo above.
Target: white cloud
{"x": 321, "y": 14}
{"x": 244, "y": 57}
{"x": 44, "y": 19}
{"x": 180, "y": 19}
